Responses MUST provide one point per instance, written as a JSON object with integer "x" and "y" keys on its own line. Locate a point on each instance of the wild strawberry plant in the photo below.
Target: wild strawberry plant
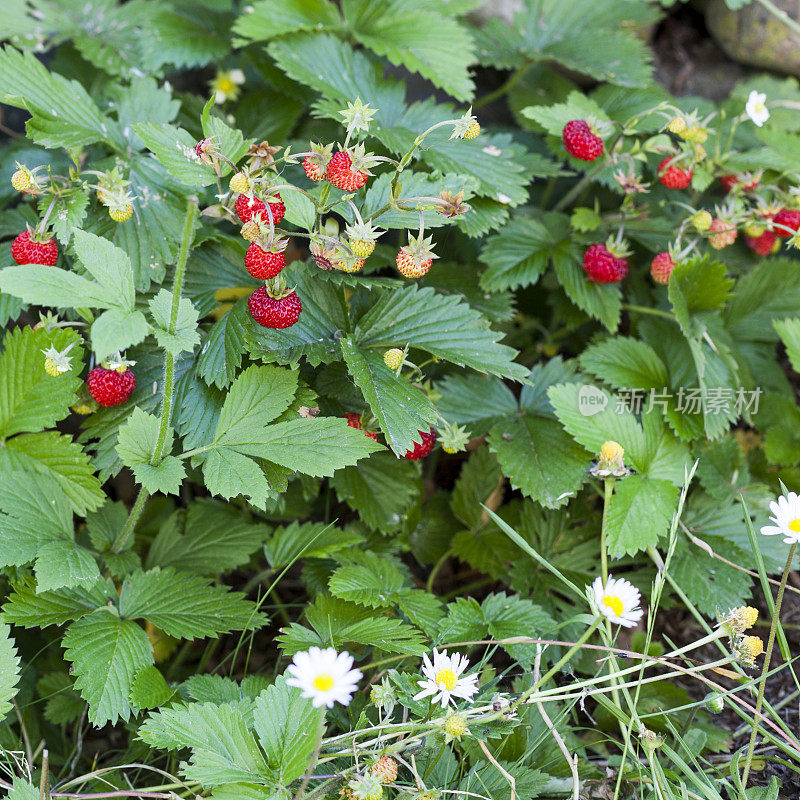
{"x": 352, "y": 440}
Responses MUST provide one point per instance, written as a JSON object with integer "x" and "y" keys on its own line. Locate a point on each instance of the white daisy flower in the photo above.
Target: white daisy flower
{"x": 756, "y": 108}
{"x": 786, "y": 516}
{"x": 444, "y": 679}
{"x": 618, "y": 600}
{"x": 324, "y": 676}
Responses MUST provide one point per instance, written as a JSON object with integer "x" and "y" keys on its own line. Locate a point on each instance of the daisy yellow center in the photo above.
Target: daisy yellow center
{"x": 614, "y": 602}
{"x": 794, "y": 526}
{"x": 446, "y": 679}
{"x": 323, "y": 683}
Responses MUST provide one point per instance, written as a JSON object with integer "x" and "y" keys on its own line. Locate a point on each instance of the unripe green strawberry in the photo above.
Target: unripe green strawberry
{"x": 362, "y": 247}
{"x": 250, "y": 230}
{"x": 22, "y": 179}
{"x": 455, "y": 726}
{"x": 121, "y": 213}
{"x": 677, "y": 125}
{"x": 702, "y": 221}
{"x": 361, "y": 237}
{"x": 366, "y": 787}
{"x": 393, "y": 358}
{"x": 473, "y": 130}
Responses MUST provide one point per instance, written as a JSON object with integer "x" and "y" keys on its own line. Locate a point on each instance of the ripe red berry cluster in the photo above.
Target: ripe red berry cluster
{"x": 248, "y": 206}
{"x": 602, "y": 266}
{"x": 673, "y": 176}
{"x": 109, "y": 387}
{"x": 580, "y": 141}
{"x": 25, "y": 250}
{"x": 274, "y": 312}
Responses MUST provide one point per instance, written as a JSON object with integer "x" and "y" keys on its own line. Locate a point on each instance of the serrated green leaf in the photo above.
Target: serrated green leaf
{"x": 698, "y": 286}
{"x": 109, "y": 265}
{"x": 27, "y": 608}
{"x": 520, "y": 252}
{"x": 625, "y": 362}
{"x": 57, "y": 456}
{"x": 106, "y": 654}
{"x": 441, "y": 325}
{"x": 639, "y": 514}
{"x": 68, "y": 212}
{"x": 184, "y": 336}
{"x": 174, "y": 148}
{"x": 402, "y": 410}
{"x": 309, "y": 540}
{"x": 64, "y": 115}
{"x": 258, "y": 396}
{"x": 409, "y": 33}
{"x": 286, "y": 724}
{"x": 221, "y": 355}
{"x": 185, "y": 605}
{"x": 9, "y": 670}
{"x": 539, "y": 458}
{"x": 589, "y": 38}
{"x": 267, "y": 19}
{"x": 64, "y": 564}
{"x": 789, "y": 331}
{"x": 115, "y": 330}
{"x": 381, "y": 489}
{"x": 149, "y": 689}
{"x": 223, "y": 749}
{"x": 30, "y": 399}
{"x": 33, "y": 513}
{"x": 373, "y": 582}
{"x": 62, "y": 703}
{"x": 208, "y": 538}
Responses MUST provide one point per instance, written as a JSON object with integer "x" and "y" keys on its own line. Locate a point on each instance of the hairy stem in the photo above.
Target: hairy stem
{"x": 169, "y": 376}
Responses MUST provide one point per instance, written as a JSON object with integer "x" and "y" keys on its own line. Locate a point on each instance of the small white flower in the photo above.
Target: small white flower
{"x": 756, "y": 108}
{"x": 786, "y": 516}
{"x": 324, "y": 676}
{"x": 444, "y": 679}
{"x": 618, "y": 600}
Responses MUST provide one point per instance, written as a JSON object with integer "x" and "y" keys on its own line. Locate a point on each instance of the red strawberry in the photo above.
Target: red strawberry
{"x": 763, "y": 244}
{"x": 248, "y": 207}
{"x": 354, "y": 421}
{"x": 602, "y": 266}
{"x": 314, "y": 170}
{"x": 788, "y": 218}
{"x": 109, "y": 387}
{"x": 421, "y": 450}
{"x": 274, "y": 312}
{"x": 342, "y": 175}
{"x": 25, "y": 250}
{"x": 673, "y": 176}
{"x": 263, "y": 264}
{"x": 721, "y": 233}
{"x": 661, "y": 267}
{"x": 746, "y": 182}
{"x": 580, "y": 141}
